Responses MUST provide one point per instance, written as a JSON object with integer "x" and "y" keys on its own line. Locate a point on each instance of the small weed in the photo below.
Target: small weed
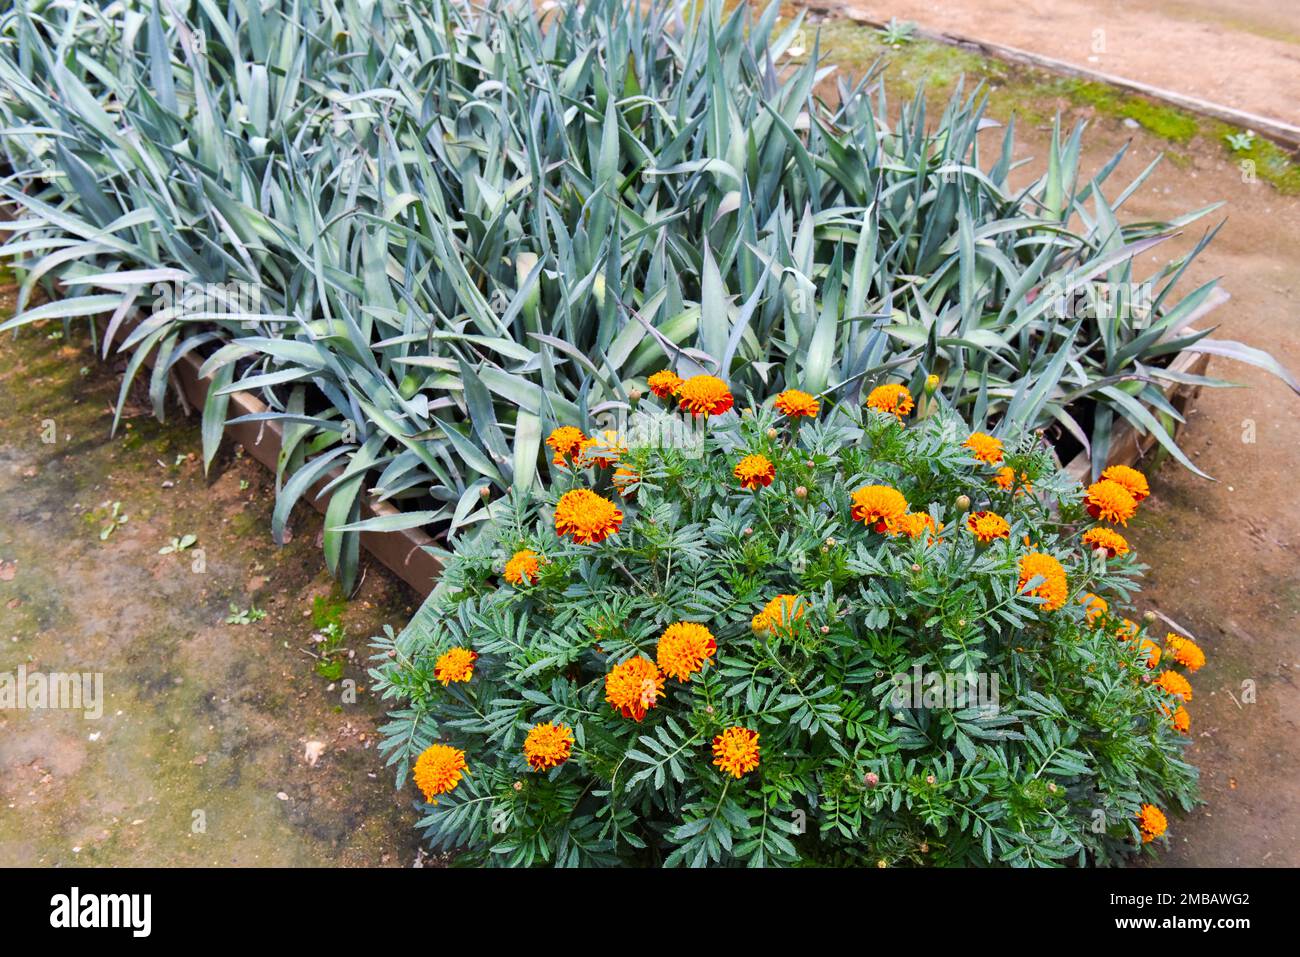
{"x": 116, "y": 517}
{"x": 178, "y": 545}
{"x": 245, "y": 617}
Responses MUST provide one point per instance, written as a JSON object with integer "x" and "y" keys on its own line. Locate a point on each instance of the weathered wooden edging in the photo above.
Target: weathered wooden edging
{"x": 404, "y": 553}
{"x": 1278, "y": 131}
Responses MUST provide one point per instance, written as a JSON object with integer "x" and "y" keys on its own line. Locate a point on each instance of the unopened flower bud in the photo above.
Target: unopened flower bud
{"x": 519, "y": 785}
{"x": 915, "y": 568}
{"x": 810, "y": 463}
{"x": 925, "y": 845}
{"x": 929, "y": 779}
{"x": 1149, "y": 617}
{"x": 801, "y": 492}
{"x": 871, "y": 779}
{"x": 962, "y": 504}
{"x": 826, "y": 629}
{"x": 485, "y": 491}
{"x": 634, "y": 395}
{"x": 772, "y": 434}
{"x": 931, "y": 384}
{"x": 748, "y": 532}
{"x": 882, "y": 863}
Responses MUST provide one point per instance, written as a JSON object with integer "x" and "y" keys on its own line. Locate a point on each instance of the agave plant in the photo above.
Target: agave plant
{"x": 466, "y": 225}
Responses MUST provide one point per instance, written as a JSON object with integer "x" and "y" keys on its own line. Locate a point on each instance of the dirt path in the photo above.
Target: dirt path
{"x": 200, "y": 756}
{"x": 1239, "y": 53}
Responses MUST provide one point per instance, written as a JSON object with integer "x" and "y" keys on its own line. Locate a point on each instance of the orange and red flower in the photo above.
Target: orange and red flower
{"x": 1094, "y": 606}
{"x": 523, "y": 567}
{"x": 585, "y": 517}
{"x": 705, "y": 395}
{"x": 684, "y": 648}
{"x": 986, "y": 526}
{"x": 736, "y": 751}
{"x": 1108, "y": 501}
{"x": 795, "y": 403}
{"x": 779, "y": 615}
{"x": 986, "y": 448}
{"x": 1175, "y": 684}
{"x": 455, "y": 664}
{"x": 1185, "y": 651}
{"x": 878, "y": 506}
{"x": 891, "y": 398}
{"x": 1151, "y": 822}
{"x": 1053, "y": 588}
{"x": 548, "y": 746}
{"x": 665, "y": 384}
{"x": 755, "y": 470}
{"x": 1005, "y": 479}
{"x": 1130, "y": 478}
{"x": 567, "y": 443}
{"x": 634, "y": 687}
{"x": 1112, "y": 541}
{"x": 438, "y": 770}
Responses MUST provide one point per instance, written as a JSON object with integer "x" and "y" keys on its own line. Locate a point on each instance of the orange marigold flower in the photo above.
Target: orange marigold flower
{"x": 1130, "y": 478}
{"x": 548, "y": 746}
{"x": 634, "y": 687}
{"x": 1107, "y": 538}
{"x": 586, "y": 517}
{"x": 523, "y": 567}
{"x": 779, "y": 614}
{"x": 625, "y": 481}
{"x": 735, "y": 751}
{"x": 1175, "y": 684}
{"x": 914, "y": 524}
{"x": 1181, "y": 720}
{"x": 987, "y": 526}
{"x": 1094, "y": 606}
{"x": 1110, "y": 502}
{"x": 438, "y": 770}
{"x": 567, "y": 442}
{"x": 1151, "y": 822}
{"x": 602, "y": 451}
{"x": 1127, "y": 631}
{"x": 456, "y": 664}
{"x": 1053, "y": 587}
{"x": 705, "y": 395}
{"x": 684, "y": 648}
{"x": 986, "y": 448}
{"x": 665, "y": 383}
{"x": 1152, "y": 650}
{"x": 795, "y": 403}
{"x": 755, "y": 470}
{"x": 1005, "y": 479}
{"x": 1185, "y": 651}
{"x": 891, "y": 398}
{"x": 878, "y": 506}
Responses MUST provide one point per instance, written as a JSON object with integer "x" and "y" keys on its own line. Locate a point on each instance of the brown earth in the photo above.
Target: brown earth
{"x": 1244, "y": 54}
{"x": 201, "y": 756}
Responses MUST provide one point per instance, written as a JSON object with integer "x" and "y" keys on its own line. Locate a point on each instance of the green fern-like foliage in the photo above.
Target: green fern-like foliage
{"x": 857, "y": 765}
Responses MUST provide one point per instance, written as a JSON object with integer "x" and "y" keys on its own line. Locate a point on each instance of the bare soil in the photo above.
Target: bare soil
{"x": 1243, "y": 54}
{"x": 201, "y": 756}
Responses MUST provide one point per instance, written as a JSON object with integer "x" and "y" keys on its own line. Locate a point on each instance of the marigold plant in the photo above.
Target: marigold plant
{"x": 835, "y": 671}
